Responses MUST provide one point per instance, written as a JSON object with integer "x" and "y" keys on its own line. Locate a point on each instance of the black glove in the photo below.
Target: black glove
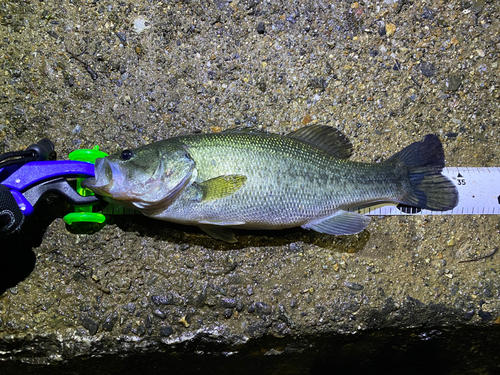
{"x": 11, "y": 216}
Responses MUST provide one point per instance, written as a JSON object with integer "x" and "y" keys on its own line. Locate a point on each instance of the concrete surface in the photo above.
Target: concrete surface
{"x": 145, "y": 295}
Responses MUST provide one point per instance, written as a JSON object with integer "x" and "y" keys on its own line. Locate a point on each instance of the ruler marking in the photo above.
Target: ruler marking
{"x": 478, "y": 189}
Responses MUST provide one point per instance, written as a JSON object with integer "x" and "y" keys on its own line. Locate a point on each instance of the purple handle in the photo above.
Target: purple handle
{"x": 22, "y": 202}
{"x": 37, "y": 171}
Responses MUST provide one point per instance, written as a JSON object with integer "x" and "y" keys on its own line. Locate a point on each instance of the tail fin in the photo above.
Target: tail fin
{"x": 424, "y": 162}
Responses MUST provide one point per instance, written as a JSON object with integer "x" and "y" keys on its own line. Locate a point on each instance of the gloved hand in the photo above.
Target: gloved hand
{"x": 11, "y": 216}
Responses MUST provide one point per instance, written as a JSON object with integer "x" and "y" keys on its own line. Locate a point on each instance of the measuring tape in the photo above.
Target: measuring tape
{"x": 478, "y": 192}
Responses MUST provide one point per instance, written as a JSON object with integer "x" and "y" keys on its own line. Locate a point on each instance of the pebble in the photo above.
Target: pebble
{"x": 162, "y": 300}
{"x": 428, "y": 13}
{"x": 121, "y": 36}
{"x": 284, "y": 316}
{"x": 427, "y": 68}
{"x": 317, "y": 83}
{"x": 354, "y": 286}
{"x": 306, "y": 119}
{"x": 166, "y": 331}
{"x": 469, "y": 315}
{"x": 69, "y": 80}
{"x": 249, "y": 290}
{"x": 130, "y": 307}
{"x": 390, "y": 29}
{"x": 184, "y": 321}
{"x": 141, "y": 24}
{"x": 153, "y": 279}
{"x": 454, "y": 81}
{"x": 141, "y": 330}
{"x": 160, "y": 314}
{"x": 263, "y": 308}
{"x": 127, "y": 329}
{"x": 91, "y": 325}
{"x": 110, "y": 321}
{"x": 228, "y": 303}
{"x": 485, "y": 316}
{"x": 261, "y": 28}
{"x": 477, "y": 6}
{"x": 239, "y": 306}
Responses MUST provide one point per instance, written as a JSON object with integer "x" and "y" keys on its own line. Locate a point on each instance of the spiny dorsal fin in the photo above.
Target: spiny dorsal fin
{"x": 326, "y": 138}
{"x": 221, "y": 186}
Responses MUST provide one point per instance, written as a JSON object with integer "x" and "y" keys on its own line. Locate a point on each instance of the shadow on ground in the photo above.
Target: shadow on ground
{"x": 412, "y": 351}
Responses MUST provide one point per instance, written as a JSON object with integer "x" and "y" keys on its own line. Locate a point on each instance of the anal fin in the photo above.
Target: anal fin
{"x": 341, "y": 223}
{"x": 219, "y": 233}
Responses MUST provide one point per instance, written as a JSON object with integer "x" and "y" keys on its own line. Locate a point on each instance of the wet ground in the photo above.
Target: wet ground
{"x": 121, "y": 74}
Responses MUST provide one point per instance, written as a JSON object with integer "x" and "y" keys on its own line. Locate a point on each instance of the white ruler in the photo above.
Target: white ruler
{"x": 478, "y": 192}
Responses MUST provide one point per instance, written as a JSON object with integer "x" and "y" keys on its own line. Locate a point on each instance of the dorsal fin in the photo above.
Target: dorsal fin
{"x": 326, "y": 138}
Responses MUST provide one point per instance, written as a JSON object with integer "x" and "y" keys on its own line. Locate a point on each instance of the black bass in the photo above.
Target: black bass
{"x": 256, "y": 180}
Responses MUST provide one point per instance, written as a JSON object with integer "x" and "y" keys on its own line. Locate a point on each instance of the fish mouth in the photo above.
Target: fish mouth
{"x": 110, "y": 181}
{"x": 105, "y": 176}
{"x": 120, "y": 182}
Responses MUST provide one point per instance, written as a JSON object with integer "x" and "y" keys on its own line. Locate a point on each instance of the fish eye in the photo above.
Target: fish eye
{"x": 126, "y": 155}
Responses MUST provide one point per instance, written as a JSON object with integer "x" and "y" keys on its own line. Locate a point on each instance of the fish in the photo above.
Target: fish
{"x": 252, "y": 179}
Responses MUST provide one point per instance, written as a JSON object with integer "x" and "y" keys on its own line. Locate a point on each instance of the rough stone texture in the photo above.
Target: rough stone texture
{"x": 147, "y": 294}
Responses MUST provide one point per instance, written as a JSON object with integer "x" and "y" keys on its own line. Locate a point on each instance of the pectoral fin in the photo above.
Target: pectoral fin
{"x": 219, "y": 233}
{"x": 343, "y": 222}
{"x": 221, "y": 187}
